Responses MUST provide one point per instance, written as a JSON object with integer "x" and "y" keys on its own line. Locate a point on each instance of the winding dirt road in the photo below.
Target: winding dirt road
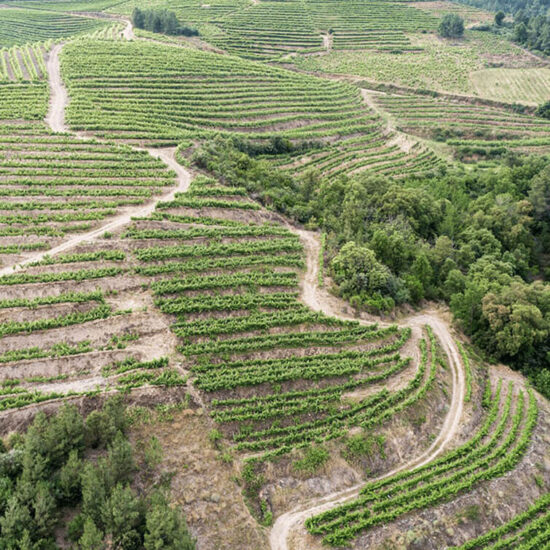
{"x": 319, "y": 300}
{"x": 128, "y": 32}
{"x": 404, "y": 141}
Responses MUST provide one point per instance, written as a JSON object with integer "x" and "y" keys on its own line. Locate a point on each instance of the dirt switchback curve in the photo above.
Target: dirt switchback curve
{"x": 319, "y": 300}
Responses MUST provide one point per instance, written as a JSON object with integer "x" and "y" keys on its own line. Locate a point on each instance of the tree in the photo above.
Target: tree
{"x": 543, "y": 110}
{"x": 539, "y": 195}
{"x": 120, "y": 459}
{"x": 92, "y": 537}
{"x": 499, "y": 18}
{"x": 518, "y": 318}
{"x": 65, "y": 432}
{"x": 100, "y": 429}
{"x": 94, "y": 491}
{"x": 69, "y": 478}
{"x": 165, "y": 528}
{"x": 355, "y": 269}
{"x": 121, "y": 517}
{"x": 16, "y": 519}
{"x": 171, "y": 23}
{"x": 422, "y": 271}
{"x": 520, "y": 33}
{"x": 138, "y": 19}
{"x": 451, "y": 26}
{"x": 45, "y": 513}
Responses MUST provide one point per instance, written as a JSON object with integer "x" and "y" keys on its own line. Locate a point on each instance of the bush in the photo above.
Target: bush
{"x": 543, "y": 110}
{"x": 451, "y": 26}
{"x": 314, "y": 458}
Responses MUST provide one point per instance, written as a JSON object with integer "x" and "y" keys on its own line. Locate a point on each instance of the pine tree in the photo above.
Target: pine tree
{"x": 121, "y": 459}
{"x": 92, "y": 537}
{"x": 94, "y": 492}
{"x": 69, "y": 478}
{"x": 165, "y": 529}
{"x": 121, "y": 517}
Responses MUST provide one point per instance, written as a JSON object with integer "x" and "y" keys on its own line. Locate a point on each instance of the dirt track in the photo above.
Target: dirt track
{"x": 128, "y": 31}
{"x": 319, "y": 300}
{"x": 59, "y": 96}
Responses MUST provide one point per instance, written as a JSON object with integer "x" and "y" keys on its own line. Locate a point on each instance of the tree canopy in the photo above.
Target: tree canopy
{"x": 161, "y": 21}
{"x": 46, "y": 470}
{"x": 451, "y": 26}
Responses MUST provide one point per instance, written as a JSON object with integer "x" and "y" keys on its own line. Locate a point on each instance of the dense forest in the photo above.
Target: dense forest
{"x": 478, "y": 240}
{"x": 66, "y": 464}
{"x": 531, "y": 21}
{"x": 530, "y": 7}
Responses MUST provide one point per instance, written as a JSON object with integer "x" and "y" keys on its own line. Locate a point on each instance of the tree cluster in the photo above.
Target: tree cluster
{"x": 46, "y": 470}
{"x": 531, "y": 7}
{"x": 532, "y": 32}
{"x": 160, "y": 21}
{"x": 478, "y": 240}
{"x": 531, "y": 25}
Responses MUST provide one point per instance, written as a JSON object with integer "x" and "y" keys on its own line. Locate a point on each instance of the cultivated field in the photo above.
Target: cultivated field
{"x": 433, "y": 63}
{"x": 473, "y": 129}
{"x": 289, "y": 419}
{"x": 19, "y": 26}
{"x": 529, "y": 86}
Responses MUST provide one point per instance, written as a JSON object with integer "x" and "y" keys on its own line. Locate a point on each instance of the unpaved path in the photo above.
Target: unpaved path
{"x": 404, "y": 141}
{"x": 129, "y": 31}
{"x": 59, "y": 96}
{"x": 319, "y": 300}
{"x": 56, "y": 120}
{"x": 327, "y": 42}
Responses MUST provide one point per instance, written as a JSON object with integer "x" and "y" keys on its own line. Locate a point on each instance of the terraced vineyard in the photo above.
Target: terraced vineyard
{"x": 23, "y": 101}
{"x": 468, "y": 126}
{"x": 359, "y": 25}
{"x": 244, "y": 331}
{"x": 272, "y": 30}
{"x": 24, "y": 63}
{"x": 178, "y": 93}
{"x": 229, "y": 277}
{"x": 496, "y": 448}
{"x": 19, "y": 26}
{"x": 268, "y": 30}
{"x": 373, "y": 152}
{"x": 52, "y": 186}
{"x": 192, "y": 11}
{"x": 66, "y": 334}
{"x": 528, "y": 530}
